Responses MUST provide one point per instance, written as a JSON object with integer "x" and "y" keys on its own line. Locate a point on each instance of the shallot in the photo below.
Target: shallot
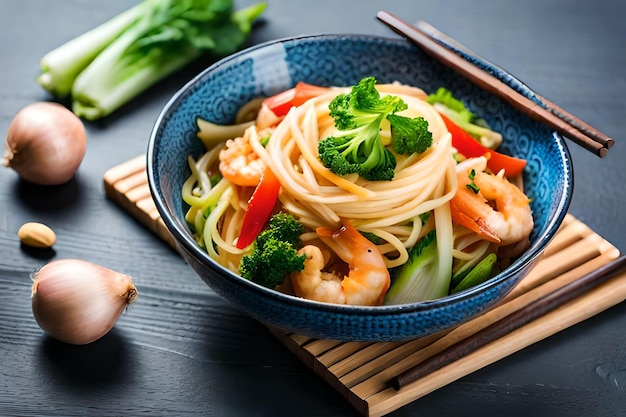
{"x": 45, "y": 143}
{"x": 77, "y": 301}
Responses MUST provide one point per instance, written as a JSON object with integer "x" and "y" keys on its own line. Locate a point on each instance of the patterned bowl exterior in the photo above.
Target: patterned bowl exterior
{"x": 217, "y": 93}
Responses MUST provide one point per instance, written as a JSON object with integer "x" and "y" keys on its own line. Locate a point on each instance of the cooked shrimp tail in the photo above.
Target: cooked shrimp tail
{"x": 466, "y": 210}
{"x": 366, "y": 282}
{"x": 509, "y": 220}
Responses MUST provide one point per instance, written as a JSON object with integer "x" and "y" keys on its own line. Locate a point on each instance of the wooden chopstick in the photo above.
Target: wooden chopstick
{"x": 493, "y": 85}
{"x": 446, "y": 41}
{"x": 507, "y": 324}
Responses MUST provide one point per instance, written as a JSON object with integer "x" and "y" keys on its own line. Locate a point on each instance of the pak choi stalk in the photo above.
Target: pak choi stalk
{"x": 427, "y": 273}
{"x": 61, "y": 66}
{"x": 153, "y": 40}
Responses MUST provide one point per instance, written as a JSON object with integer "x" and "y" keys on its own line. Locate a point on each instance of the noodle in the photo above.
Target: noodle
{"x": 380, "y": 203}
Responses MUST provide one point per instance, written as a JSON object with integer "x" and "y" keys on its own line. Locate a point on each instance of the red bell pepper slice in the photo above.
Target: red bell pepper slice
{"x": 511, "y": 165}
{"x": 466, "y": 145}
{"x": 281, "y": 103}
{"x": 259, "y": 209}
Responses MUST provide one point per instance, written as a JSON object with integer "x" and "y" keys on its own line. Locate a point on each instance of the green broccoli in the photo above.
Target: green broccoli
{"x": 363, "y": 154}
{"x": 358, "y": 147}
{"x": 409, "y": 135}
{"x": 446, "y": 103}
{"x": 275, "y": 252}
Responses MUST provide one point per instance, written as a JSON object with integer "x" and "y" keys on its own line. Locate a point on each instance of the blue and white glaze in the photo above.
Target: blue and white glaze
{"x": 218, "y": 92}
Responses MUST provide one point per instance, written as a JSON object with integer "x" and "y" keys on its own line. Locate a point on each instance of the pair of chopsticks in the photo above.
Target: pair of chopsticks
{"x": 490, "y": 78}
{"x": 509, "y": 323}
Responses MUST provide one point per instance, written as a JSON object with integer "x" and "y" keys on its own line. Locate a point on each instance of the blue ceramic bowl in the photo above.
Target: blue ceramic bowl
{"x": 217, "y": 93}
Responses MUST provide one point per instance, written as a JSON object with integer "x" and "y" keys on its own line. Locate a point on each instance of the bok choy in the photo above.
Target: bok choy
{"x": 416, "y": 281}
{"x": 106, "y": 67}
{"x": 427, "y": 273}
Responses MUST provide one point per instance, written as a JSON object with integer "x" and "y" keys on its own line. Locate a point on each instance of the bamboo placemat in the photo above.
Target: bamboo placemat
{"x": 360, "y": 371}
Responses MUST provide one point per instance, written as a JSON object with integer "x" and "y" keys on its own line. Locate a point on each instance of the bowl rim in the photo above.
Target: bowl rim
{"x": 184, "y": 239}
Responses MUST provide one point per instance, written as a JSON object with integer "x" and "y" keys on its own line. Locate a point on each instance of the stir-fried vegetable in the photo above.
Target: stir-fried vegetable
{"x": 280, "y": 103}
{"x": 275, "y": 252}
{"x": 357, "y": 147}
{"x": 470, "y": 148}
{"x": 446, "y": 103}
{"x": 417, "y": 281}
{"x": 108, "y": 66}
{"x": 477, "y": 275}
{"x": 259, "y": 208}
{"x": 471, "y": 136}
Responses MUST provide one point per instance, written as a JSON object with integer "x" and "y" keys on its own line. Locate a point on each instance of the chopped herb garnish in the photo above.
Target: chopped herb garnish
{"x": 373, "y": 237}
{"x": 472, "y": 185}
{"x": 265, "y": 140}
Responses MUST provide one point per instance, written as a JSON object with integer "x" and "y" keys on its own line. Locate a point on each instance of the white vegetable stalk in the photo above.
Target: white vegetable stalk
{"x": 108, "y": 66}
{"x": 101, "y": 87}
{"x": 62, "y": 65}
{"x": 427, "y": 276}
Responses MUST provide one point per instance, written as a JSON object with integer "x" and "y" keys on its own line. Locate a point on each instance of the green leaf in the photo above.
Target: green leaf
{"x": 479, "y": 274}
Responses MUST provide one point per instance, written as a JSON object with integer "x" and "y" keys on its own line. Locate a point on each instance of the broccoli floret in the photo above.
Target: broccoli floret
{"x": 409, "y": 135}
{"x": 285, "y": 227}
{"x": 275, "y": 252}
{"x": 347, "y": 154}
{"x": 357, "y": 148}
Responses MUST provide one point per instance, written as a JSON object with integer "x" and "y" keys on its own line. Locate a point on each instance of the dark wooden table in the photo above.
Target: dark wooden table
{"x": 183, "y": 351}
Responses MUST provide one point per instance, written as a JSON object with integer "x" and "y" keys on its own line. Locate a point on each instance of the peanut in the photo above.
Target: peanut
{"x": 37, "y": 235}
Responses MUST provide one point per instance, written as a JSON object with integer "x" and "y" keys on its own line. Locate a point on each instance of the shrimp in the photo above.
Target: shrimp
{"x": 509, "y": 222}
{"x": 367, "y": 281}
{"x": 239, "y": 163}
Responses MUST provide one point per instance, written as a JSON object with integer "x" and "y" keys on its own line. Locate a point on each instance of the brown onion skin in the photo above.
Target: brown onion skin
{"x": 45, "y": 143}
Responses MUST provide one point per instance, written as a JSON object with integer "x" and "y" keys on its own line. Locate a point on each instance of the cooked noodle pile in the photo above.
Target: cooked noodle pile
{"x": 389, "y": 209}
{"x": 392, "y": 210}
